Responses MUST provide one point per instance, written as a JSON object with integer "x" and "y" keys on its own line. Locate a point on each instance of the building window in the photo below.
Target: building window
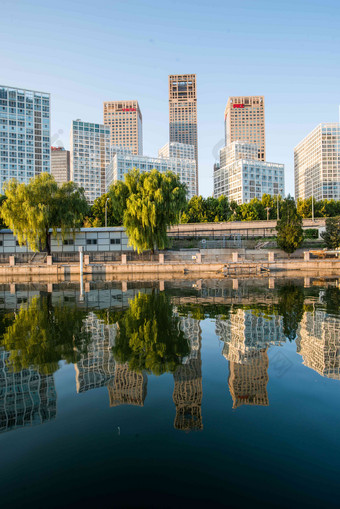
{"x": 91, "y": 241}
{"x": 68, "y": 242}
{"x": 115, "y": 241}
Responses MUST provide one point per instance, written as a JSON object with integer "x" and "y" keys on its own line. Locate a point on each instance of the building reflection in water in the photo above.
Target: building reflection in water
{"x": 128, "y": 387}
{"x": 99, "y": 368}
{"x": 318, "y": 341}
{"x": 26, "y": 397}
{"x": 188, "y": 393}
{"x": 247, "y": 334}
{"x": 248, "y": 381}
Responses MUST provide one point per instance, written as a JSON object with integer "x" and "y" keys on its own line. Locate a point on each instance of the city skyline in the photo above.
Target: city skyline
{"x": 295, "y": 74}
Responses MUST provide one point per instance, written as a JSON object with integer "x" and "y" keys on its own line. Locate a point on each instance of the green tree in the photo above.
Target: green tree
{"x": 97, "y": 215}
{"x": 32, "y": 210}
{"x": 289, "y": 227}
{"x": 331, "y": 235}
{"x": 291, "y": 300}
{"x": 154, "y": 202}
{"x": 149, "y": 335}
{"x": 224, "y": 211}
{"x": 42, "y": 335}
{"x": 195, "y": 211}
{"x": 119, "y": 194}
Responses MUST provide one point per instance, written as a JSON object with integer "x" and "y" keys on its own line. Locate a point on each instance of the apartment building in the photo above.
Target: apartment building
{"x": 24, "y": 134}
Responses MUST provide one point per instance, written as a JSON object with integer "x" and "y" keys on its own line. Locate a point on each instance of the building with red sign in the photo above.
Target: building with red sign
{"x": 244, "y": 121}
{"x": 125, "y": 121}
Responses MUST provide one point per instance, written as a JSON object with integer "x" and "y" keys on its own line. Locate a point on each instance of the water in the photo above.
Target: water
{"x": 208, "y": 393}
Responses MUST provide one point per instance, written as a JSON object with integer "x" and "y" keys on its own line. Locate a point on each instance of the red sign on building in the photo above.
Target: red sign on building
{"x": 128, "y": 109}
{"x": 238, "y": 105}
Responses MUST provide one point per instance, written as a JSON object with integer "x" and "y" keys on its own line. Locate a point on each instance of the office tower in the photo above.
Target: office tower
{"x": 97, "y": 367}
{"x": 60, "y": 164}
{"x": 177, "y": 150}
{"x": 125, "y": 121}
{"x": 244, "y": 121}
{"x": 183, "y": 112}
{"x": 248, "y": 381}
{"x": 24, "y": 134}
{"x": 122, "y": 160}
{"x": 26, "y": 397}
{"x": 317, "y": 164}
{"x": 128, "y": 387}
{"x": 318, "y": 341}
{"x": 90, "y": 154}
{"x": 242, "y": 173}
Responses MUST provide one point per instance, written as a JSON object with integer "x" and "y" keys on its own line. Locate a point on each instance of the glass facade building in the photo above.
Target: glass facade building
{"x": 90, "y": 154}
{"x": 24, "y": 134}
{"x": 317, "y": 164}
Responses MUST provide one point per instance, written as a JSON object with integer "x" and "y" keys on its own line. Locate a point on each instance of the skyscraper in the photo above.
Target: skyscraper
{"x": 244, "y": 121}
{"x": 24, "y": 134}
{"x": 60, "y": 164}
{"x": 125, "y": 121}
{"x": 183, "y": 112}
{"x": 90, "y": 154}
{"x": 317, "y": 164}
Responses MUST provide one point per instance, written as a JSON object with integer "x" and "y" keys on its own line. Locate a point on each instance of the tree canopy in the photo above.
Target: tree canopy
{"x": 149, "y": 336}
{"x": 149, "y": 203}
{"x": 289, "y": 227}
{"x": 32, "y": 209}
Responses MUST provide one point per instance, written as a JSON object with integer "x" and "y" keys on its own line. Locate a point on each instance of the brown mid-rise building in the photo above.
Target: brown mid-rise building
{"x": 244, "y": 121}
{"x": 125, "y": 121}
{"x": 60, "y": 164}
{"x": 183, "y": 112}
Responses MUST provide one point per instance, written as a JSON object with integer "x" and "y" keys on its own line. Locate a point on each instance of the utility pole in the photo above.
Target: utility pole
{"x": 107, "y": 199}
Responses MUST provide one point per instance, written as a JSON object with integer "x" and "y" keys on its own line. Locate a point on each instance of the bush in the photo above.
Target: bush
{"x": 311, "y": 233}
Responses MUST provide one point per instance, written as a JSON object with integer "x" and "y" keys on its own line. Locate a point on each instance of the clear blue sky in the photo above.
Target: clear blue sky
{"x": 84, "y": 52}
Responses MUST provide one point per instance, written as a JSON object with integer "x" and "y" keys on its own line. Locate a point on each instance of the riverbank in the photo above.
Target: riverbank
{"x": 159, "y": 269}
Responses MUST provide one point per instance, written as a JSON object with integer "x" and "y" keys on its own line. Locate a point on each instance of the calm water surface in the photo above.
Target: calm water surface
{"x": 202, "y": 393}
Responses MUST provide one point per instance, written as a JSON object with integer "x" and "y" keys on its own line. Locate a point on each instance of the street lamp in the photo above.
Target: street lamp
{"x": 107, "y": 199}
{"x": 268, "y": 209}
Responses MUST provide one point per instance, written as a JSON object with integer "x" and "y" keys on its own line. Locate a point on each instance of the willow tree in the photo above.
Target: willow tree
{"x": 153, "y": 201}
{"x": 36, "y": 210}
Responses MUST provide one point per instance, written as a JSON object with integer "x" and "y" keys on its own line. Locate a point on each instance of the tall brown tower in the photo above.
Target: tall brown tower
{"x": 183, "y": 112}
{"x": 244, "y": 121}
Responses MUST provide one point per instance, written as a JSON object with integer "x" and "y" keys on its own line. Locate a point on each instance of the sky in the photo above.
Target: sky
{"x": 85, "y": 52}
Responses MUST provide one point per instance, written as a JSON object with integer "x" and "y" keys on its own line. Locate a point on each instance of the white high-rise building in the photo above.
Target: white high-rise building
{"x": 122, "y": 160}
{"x": 90, "y": 155}
{"x": 317, "y": 164}
{"x": 24, "y": 134}
{"x": 241, "y": 180}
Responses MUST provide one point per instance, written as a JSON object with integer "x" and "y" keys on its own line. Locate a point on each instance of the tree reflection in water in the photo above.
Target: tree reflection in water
{"x": 149, "y": 335}
{"x": 42, "y": 335}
